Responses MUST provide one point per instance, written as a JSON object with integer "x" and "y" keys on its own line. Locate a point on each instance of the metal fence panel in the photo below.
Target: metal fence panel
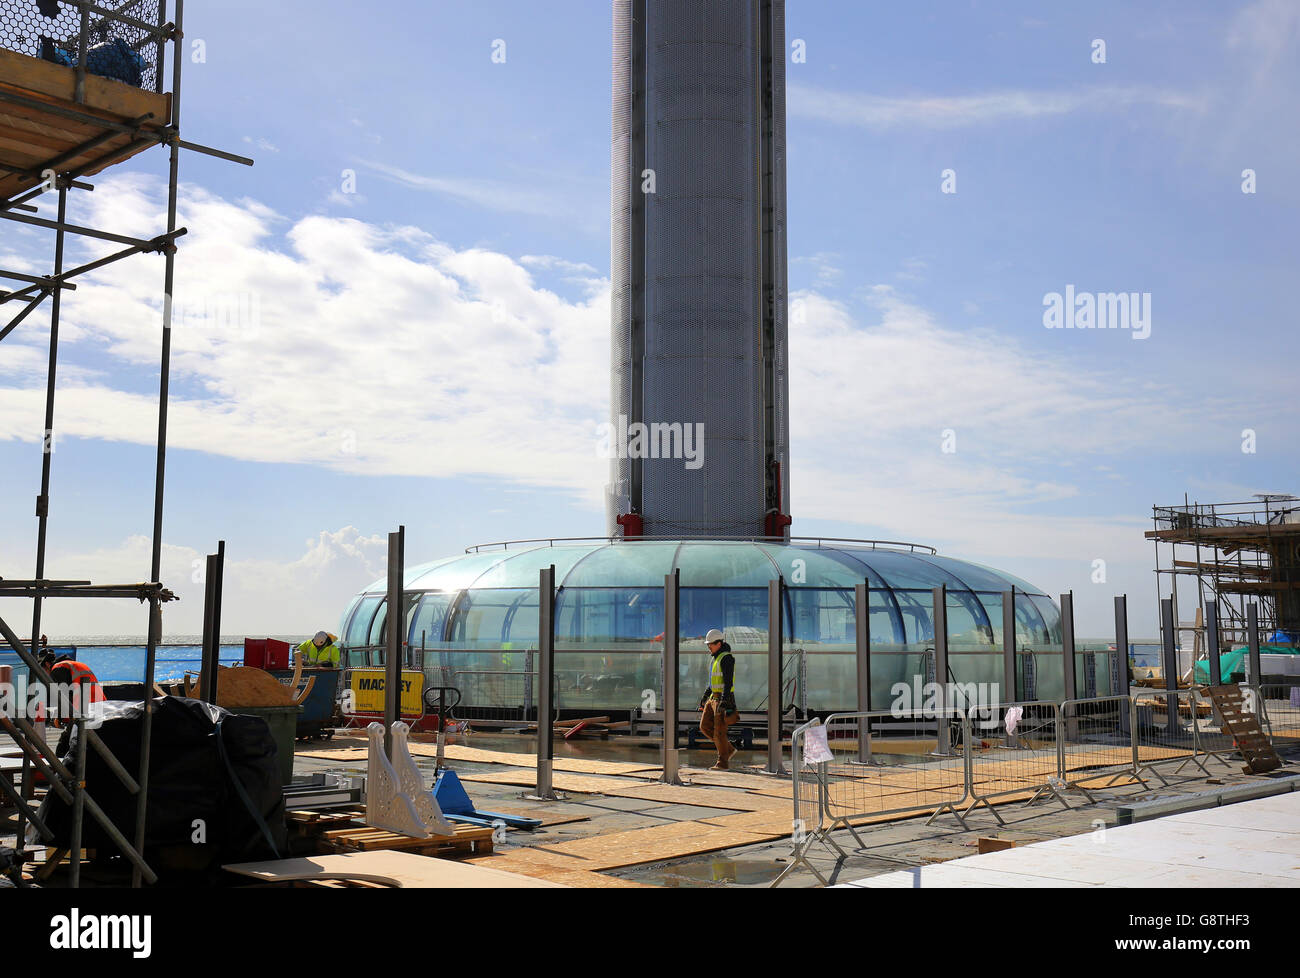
{"x": 1022, "y": 761}
{"x": 1165, "y": 728}
{"x": 1098, "y": 742}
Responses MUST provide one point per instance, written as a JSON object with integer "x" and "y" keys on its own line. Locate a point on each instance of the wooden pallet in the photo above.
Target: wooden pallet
{"x": 345, "y": 831}
{"x": 1256, "y": 750}
{"x": 469, "y": 840}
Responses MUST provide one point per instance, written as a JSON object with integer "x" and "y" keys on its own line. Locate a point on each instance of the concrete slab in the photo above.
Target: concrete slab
{"x": 1242, "y": 845}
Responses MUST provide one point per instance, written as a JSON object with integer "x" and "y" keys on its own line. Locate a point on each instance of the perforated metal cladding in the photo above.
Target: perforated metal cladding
{"x": 702, "y": 353}
{"x": 779, "y": 257}
{"x": 622, "y": 187}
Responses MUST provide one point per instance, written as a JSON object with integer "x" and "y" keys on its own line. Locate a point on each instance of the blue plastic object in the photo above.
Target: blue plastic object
{"x": 113, "y": 59}
{"x": 457, "y": 806}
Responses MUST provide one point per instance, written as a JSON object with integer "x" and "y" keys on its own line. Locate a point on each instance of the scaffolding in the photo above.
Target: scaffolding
{"x": 1237, "y": 555}
{"x": 83, "y": 86}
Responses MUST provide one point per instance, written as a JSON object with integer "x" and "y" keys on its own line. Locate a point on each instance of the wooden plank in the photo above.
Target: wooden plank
{"x": 102, "y": 94}
{"x": 388, "y": 868}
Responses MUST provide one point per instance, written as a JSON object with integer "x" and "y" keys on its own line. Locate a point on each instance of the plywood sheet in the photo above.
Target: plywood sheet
{"x": 388, "y": 867}
{"x": 459, "y": 752}
{"x": 662, "y": 842}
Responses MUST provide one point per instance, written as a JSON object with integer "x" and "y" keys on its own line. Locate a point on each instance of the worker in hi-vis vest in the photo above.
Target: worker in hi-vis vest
{"x": 718, "y": 705}
{"x": 320, "y": 651}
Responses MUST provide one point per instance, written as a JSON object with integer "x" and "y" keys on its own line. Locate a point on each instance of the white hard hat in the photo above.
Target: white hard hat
{"x": 321, "y": 639}
{"x": 713, "y": 636}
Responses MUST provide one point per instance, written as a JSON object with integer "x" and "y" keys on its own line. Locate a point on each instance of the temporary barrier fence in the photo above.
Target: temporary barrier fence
{"x": 1024, "y": 759}
{"x": 1164, "y": 729}
{"x": 1098, "y": 742}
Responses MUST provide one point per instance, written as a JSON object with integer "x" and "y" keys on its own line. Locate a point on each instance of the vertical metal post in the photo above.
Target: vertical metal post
{"x": 164, "y": 384}
{"x": 1121, "y": 645}
{"x": 545, "y": 681}
{"x": 393, "y": 635}
{"x": 940, "y": 620}
{"x": 82, "y": 703}
{"x": 146, "y": 731}
{"x": 1069, "y": 657}
{"x": 216, "y": 568}
{"x": 862, "y": 600}
{"x": 1256, "y": 674}
{"x": 1069, "y": 660}
{"x": 1169, "y": 658}
{"x": 775, "y": 637}
{"x": 1008, "y": 655}
{"x": 671, "y": 671}
{"x": 1212, "y": 643}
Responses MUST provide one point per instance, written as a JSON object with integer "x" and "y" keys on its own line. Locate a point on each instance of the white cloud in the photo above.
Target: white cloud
{"x": 952, "y": 111}
{"x": 360, "y": 348}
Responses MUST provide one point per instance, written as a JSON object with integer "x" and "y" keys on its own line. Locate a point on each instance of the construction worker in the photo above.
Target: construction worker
{"x": 718, "y": 704}
{"x": 66, "y": 671}
{"x": 320, "y": 651}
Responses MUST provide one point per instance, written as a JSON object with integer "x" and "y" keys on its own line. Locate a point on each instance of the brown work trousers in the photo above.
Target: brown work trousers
{"x": 714, "y": 724}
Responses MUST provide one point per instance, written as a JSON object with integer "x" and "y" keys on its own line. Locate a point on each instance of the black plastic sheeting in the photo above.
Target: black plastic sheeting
{"x": 197, "y": 816}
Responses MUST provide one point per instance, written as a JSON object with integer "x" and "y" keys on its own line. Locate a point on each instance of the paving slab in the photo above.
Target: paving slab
{"x": 1240, "y": 847}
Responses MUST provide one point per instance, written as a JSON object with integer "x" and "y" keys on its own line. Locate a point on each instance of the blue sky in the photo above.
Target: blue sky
{"x": 432, "y": 349}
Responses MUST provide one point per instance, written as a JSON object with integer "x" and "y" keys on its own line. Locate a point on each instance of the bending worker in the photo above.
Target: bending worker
{"x": 321, "y": 651}
{"x": 718, "y": 705}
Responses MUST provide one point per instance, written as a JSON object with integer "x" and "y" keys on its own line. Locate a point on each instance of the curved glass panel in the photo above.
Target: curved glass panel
{"x": 604, "y": 618}
{"x": 376, "y": 634}
{"x": 358, "y": 628}
{"x": 826, "y": 617}
{"x": 741, "y": 614}
{"x": 1009, "y": 580}
{"x": 520, "y": 569}
{"x": 904, "y": 570}
{"x": 725, "y": 565}
{"x": 430, "y": 619}
{"x": 1051, "y": 616}
{"x": 623, "y": 565}
{"x": 462, "y": 572}
{"x": 499, "y": 618}
{"x": 816, "y": 566}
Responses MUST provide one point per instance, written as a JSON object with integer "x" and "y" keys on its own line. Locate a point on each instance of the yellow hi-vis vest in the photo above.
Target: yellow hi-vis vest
{"x": 716, "y": 683}
{"x": 328, "y": 656}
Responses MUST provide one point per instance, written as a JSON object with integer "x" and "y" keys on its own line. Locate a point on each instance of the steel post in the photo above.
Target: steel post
{"x": 1169, "y": 660}
{"x": 1212, "y": 643}
{"x": 1121, "y": 645}
{"x": 1008, "y": 655}
{"x": 862, "y": 602}
{"x": 940, "y": 620}
{"x": 393, "y": 635}
{"x": 775, "y": 637}
{"x": 545, "y": 682}
{"x": 671, "y": 673}
{"x": 1255, "y": 675}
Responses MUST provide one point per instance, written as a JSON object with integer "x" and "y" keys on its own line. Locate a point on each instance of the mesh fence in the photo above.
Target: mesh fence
{"x": 891, "y": 782}
{"x": 1280, "y": 714}
{"x": 1165, "y": 728}
{"x": 124, "y": 50}
{"x": 1022, "y": 760}
{"x": 1097, "y": 745}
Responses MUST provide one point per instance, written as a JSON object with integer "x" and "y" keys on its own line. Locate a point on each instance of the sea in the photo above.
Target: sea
{"x": 121, "y": 658}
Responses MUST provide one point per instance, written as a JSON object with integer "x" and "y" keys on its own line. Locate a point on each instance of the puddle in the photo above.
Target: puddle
{"x": 715, "y": 872}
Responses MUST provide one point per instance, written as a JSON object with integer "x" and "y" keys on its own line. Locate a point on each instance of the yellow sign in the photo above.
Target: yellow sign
{"x": 367, "y": 688}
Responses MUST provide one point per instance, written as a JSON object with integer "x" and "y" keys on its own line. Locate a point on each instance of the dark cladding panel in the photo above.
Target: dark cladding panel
{"x": 709, "y": 238}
